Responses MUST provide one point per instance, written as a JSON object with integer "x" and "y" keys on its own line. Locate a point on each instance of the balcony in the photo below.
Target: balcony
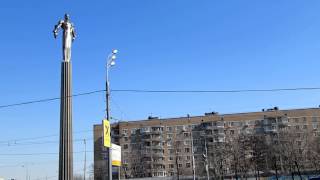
{"x": 146, "y": 154}
{"x": 157, "y": 146}
{"x": 157, "y": 154}
{"x": 160, "y": 162}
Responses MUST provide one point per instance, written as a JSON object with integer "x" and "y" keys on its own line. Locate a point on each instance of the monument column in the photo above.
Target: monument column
{"x": 66, "y": 144}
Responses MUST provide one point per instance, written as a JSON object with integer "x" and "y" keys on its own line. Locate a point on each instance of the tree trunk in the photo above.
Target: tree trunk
{"x": 276, "y": 168}
{"x": 236, "y": 172}
{"x": 255, "y": 173}
{"x": 292, "y": 175}
{"x": 295, "y": 162}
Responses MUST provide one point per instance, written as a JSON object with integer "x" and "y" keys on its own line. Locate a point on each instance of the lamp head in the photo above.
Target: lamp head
{"x": 115, "y": 51}
{"x": 112, "y": 63}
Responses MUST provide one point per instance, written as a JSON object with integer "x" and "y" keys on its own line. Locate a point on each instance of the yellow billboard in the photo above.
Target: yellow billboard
{"x": 106, "y": 133}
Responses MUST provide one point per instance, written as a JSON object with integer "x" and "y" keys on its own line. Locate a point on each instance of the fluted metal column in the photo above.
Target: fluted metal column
{"x": 66, "y": 144}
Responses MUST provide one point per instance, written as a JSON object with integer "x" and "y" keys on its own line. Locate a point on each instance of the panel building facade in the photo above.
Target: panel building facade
{"x": 214, "y": 145}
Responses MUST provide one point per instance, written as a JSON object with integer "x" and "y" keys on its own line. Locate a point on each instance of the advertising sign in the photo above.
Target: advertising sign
{"x": 106, "y": 133}
{"x": 116, "y": 155}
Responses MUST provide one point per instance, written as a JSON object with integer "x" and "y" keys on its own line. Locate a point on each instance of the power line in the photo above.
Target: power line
{"x": 216, "y": 91}
{"x": 38, "y": 163}
{"x": 38, "y": 137}
{"x": 164, "y": 91}
{"x": 48, "y": 99}
{"x": 32, "y": 154}
{"x": 39, "y": 143}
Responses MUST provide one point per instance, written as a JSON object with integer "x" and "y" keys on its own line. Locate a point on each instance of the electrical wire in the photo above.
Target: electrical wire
{"x": 48, "y": 99}
{"x": 163, "y": 91}
{"x": 39, "y": 163}
{"x": 38, "y": 137}
{"x": 40, "y": 143}
{"x": 42, "y": 153}
{"x": 217, "y": 91}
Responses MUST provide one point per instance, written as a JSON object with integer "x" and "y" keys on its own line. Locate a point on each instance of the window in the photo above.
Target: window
{"x": 145, "y": 129}
{"x": 125, "y": 131}
{"x": 178, "y": 150}
{"x": 133, "y": 131}
{"x": 179, "y": 158}
{"x": 171, "y": 151}
{"x": 186, "y": 134}
{"x": 179, "y": 128}
{"x": 179, "y": 165}
{"x": 188, "y": 165}
{"x": 169, "y": 143}
{"x": 169, "y": 128}
{"x": 231, "y": 132}
{"x": 187, "y": 142}
{"x": 299, "y": 143}
{"x": 304, "y": 126}
{"x": 304, "y": 119}
{"x": 170, "y": 158}
{"x": 125, "y": 138}
{"x": 296, "y": 120}
{"x": 125, "y": 154}
{"x": 171, "y": 166}
{"x": 125, "y": 146}
{"x": 169, "y": 136}
{"x": 187, "y": 150}
{"x": 314, "y": 125}
{"x": 188, "y": 158}
{"x": 297, "y": 127}
{"x": 157, "y": 129}
{"x": 314, "y": 119}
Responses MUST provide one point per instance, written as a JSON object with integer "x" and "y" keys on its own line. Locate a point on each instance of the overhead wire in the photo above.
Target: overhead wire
{"x": 40, "y": 153}
{"x": 38, "y": 163}
{"x": 40, "y": 143}
{"x": 162, "y": 91}
{"x": 38, "y": 137}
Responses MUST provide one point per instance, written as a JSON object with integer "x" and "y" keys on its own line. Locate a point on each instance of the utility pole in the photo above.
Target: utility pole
{"x": 85, "y": 159}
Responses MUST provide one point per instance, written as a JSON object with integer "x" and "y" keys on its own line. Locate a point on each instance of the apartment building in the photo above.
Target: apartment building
{"x": 198, "y": 144}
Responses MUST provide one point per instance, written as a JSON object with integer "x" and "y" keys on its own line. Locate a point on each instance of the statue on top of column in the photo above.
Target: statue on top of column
{"x": 68, "y": 36}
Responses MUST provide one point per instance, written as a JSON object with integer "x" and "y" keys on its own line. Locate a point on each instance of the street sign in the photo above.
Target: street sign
{"x": 106, "y": 133}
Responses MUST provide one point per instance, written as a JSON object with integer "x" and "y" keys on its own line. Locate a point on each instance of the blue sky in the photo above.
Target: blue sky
{"x": 163, "y": 45}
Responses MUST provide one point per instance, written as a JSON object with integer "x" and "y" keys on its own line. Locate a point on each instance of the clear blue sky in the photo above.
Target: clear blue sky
{"x": 163, "y": 45}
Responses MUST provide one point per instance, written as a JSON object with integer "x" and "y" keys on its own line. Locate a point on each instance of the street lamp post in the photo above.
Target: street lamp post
{"x": 110, "y": 62}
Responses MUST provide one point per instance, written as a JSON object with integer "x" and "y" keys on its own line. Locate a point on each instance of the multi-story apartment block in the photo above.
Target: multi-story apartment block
{"x": 214, "y": 144}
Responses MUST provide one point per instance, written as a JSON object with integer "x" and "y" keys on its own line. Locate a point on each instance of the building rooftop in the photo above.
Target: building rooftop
{"x": 214, "y": 116}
